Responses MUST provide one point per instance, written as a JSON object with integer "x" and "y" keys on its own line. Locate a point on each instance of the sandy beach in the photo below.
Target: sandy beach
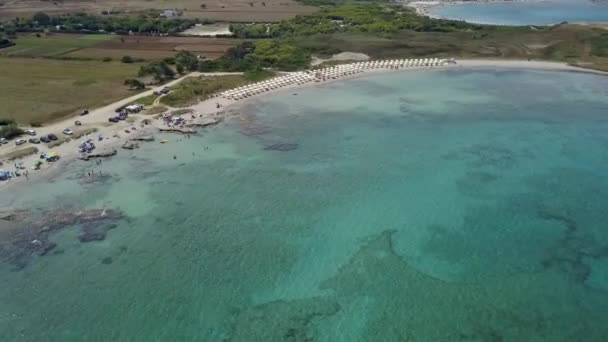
{"x": 115, "y": 135}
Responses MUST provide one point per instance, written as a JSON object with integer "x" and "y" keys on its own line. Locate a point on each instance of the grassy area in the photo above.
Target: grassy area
{"x": 41, "y": 90}
{"x": 258, "y": 75}
{"x": 21, "y": 153}
{"x": 146, "y": 100}
{"x": 194, "y": 89}
{"x": 81, "y": 132}
{"x": 156, "y": 110}
{"x": 53, "y": 45}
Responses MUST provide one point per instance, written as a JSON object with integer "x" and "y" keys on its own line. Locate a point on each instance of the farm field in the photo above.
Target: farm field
{"x": 219, "y": 10}
{"x": 41, "y": 90}
{"x": 98, "y": 46}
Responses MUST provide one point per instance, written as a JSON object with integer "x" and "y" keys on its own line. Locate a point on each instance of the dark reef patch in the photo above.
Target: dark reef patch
{"x": 280, "y": 320}
{"x": 571, "y": 253}
{"x": 29, "y": 233}
{"x": 283, "y": 147}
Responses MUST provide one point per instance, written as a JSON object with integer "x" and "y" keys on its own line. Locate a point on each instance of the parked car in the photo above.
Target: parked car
{"x": 114, "y": 119}
{"x": 3, "y": 141}
{"x": 84, "y": 112}
{"x": 77, "y": 123}
{"x": 45, "y": 139}
{"x": 34, "y": 141}
{"x": 20, "y": 142}
{"x": 120, "y": 109}
{"x": 162, "y": 91}
{"x": 52, "y": 136}
{"x": 29, "y": 132}
{"x": 68, "y": 131}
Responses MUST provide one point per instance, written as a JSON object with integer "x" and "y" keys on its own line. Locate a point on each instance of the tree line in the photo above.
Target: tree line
{"x": 81, "y": 22}
{"x": 368, "y": 18}
{"x": 245, "y": 57}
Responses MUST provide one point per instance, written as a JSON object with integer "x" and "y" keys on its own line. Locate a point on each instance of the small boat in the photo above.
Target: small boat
{"x": 164, "y": 141}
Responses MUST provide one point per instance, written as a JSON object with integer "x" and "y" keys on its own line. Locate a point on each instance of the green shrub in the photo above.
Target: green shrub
{"x": 127, "y": 59}
{"x": 6, "y": 121}
{"x": 10, "y": 131}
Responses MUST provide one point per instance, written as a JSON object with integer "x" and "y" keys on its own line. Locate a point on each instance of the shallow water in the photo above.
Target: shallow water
{"x": 429, "y": 206}
{"x": 525, "y": 13}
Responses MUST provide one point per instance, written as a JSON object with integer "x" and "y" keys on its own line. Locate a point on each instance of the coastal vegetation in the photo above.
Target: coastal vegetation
{"x": 194, "y": 89}
{"x": 20, "y": 153}
{"x": 9, "y": 128}
{"x": 368, "y": 18}
{"x": 146, "y": 100}
{"x": 383, "y": 30}
{"x": 265, "y": 53}
{"x": 156, "y": 110}
{"x": 599, "y": 45}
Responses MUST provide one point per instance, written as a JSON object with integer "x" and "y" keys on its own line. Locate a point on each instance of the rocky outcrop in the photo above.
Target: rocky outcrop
{"x": 144, "y": 138}
{"x": 98, "y": 154}
{"x": 130, "y": 145}
{"x": 205, "y": 122}
{"x": 177, "y": 130}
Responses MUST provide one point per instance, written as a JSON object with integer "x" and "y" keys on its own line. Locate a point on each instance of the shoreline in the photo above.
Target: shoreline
{"x": 425, "y": 9}
{"x": 207, "y": 113}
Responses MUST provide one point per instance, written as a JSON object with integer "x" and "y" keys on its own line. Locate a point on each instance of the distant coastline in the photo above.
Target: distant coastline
{"x": 428, "y": 9}
{"x": 424, "y": 8}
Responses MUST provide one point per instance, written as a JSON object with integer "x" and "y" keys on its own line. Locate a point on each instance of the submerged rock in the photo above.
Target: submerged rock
{"x": 281, "y": 147}
{"x": 29, "y": 234}
{"x": 13, "y": 215}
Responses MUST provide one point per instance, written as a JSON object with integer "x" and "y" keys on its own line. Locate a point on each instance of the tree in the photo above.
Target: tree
{"x": 42, "y": 19}
{"x": 10, "y": 131}
{"x": 135, "y": 84}
{"x": 186, "y": 60}
{"x": 127, "y": 59}
{"x": 160, "y": 71}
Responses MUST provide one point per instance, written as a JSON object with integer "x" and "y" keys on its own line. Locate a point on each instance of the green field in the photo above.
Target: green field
{"x": 53, "y": 46}
{"x": 40, "y": 90}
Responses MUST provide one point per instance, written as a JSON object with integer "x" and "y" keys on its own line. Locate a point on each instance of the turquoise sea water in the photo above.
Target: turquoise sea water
{"x": 420, "y": 206}
{"x": 525, "y": 13}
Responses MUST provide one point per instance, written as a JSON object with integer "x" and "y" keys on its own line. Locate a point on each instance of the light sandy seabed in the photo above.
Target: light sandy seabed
{"x": 205, "y": 110}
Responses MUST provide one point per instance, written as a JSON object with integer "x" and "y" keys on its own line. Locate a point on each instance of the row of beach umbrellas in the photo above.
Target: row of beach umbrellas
{"x": 333, "y": 72}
